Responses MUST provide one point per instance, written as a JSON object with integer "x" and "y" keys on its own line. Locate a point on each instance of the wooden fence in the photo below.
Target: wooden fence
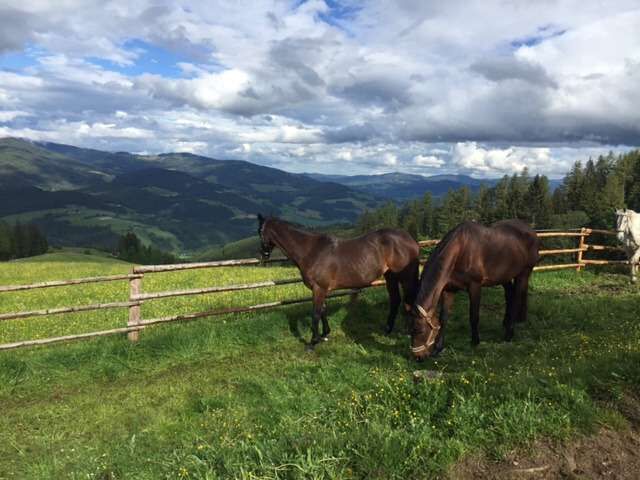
{"x": 137, "y": 297}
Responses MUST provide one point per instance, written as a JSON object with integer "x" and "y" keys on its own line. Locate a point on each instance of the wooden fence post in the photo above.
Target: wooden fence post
{"x": 583, "y": 233}
{"x": 135, "y": 288}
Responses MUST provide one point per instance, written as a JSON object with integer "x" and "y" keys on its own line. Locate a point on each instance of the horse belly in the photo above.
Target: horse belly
{"x": 356, "y": 276}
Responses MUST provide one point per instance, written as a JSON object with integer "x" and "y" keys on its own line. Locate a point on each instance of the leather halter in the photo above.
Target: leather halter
{"x": 433, "y": 334}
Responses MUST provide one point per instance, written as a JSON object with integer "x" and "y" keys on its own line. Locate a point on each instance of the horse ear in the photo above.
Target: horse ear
{"x": 260, "y": 218}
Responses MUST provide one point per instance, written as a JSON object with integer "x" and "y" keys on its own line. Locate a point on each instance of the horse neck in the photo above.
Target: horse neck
{"x": 296, "y": 244}
{"x": 436, "y": 276}
{"x": 632, "y": 228}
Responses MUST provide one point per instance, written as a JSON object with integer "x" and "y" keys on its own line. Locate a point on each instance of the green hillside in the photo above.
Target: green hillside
{"x": 239, "y": 397}
{"x": 177, "y": 202}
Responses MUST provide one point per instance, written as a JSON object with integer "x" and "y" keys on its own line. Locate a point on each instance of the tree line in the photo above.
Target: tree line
{"x": 131, "y": 249}
{"x": 21, "y": 240}
{"x": 588, "y": 196}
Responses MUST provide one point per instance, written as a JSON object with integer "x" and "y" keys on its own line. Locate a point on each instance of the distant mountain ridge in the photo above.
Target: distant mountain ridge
{"x": 177, "y": 201}
{"x": 404, "y": 186}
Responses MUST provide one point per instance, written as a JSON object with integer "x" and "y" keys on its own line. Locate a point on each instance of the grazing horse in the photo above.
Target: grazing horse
{"x": 469, "y": 257}
{"x": 628, "y": 228}
{"x": 327, "y": 263}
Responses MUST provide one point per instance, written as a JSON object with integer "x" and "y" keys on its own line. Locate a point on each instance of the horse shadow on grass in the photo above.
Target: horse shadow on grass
{"x": 365, "y": 322}
{"x": 362, "y": 321}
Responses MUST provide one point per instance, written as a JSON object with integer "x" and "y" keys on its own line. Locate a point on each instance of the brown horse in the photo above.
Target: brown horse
{"x": 470, "y": 257}
{"x": 327, "y": 263}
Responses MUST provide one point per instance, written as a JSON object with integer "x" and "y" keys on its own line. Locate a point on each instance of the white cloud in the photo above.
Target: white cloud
{"x": 428, "y": 161}
{"x": 8, "y": 115}
{"x": 424, "y": 87}
{"x": 471, "y": 157}
{"x": 390, "y": 159}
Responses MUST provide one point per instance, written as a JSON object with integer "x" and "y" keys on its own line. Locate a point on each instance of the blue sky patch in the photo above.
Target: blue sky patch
{"x": 151, "y": 59}
{"x": 339, "y": 14}
{"x": 544, "y": 33}
{"x": 15, "y": 62}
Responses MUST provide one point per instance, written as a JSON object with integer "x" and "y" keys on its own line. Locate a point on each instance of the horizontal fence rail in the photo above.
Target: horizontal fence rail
{"x": 137, "y": 298}
{"x": 62, "y": 283}
{"x": 57, "y": 311}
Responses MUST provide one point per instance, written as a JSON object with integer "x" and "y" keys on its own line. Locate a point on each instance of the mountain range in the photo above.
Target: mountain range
{"x": 181, "y": 202}
{"x": 404, "y": 186}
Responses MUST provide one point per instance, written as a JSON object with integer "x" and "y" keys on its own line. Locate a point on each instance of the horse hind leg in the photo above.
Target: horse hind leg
{"x": 522, "y": 289}
{"x": 517, "y": 303}
{"x": 393, "y": 288}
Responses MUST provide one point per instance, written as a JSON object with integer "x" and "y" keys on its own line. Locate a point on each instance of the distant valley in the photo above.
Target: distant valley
{"x": 178, "y": 202}
{"x": 181, "y": 202}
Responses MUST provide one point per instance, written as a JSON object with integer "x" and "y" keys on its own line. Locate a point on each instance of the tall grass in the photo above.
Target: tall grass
{"x": 238, "y": 396}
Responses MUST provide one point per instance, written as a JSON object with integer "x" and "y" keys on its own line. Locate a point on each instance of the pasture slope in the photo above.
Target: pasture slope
{"x": 238, "y": 397}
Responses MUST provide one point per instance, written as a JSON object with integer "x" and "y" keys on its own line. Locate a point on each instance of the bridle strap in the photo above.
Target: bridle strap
{"x": 433, "y": 334}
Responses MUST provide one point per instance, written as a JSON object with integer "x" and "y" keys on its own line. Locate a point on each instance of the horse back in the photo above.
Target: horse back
{"x": 361, "y": 260}
{"x": 518, "y": 235}
{"x": 493, "y": 255}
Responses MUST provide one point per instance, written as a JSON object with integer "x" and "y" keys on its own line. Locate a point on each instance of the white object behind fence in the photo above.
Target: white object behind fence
{"x": 628, "y": 232}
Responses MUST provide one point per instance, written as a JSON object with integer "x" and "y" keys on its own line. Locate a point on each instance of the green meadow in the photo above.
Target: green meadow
{"x": 239, "y": 397}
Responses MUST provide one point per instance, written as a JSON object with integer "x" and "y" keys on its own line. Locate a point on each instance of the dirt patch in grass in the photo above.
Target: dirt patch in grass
{"x": 608, "y": 454}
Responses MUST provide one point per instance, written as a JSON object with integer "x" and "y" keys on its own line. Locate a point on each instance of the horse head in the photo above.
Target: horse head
{"x": 264, "y": 232}
{"x": 424, "y": 332}
{"x": 623, "y": 223}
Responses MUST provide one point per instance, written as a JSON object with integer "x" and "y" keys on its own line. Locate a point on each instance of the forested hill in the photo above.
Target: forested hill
{"x": 177, "y": 201}
{"x": 588, "y": 195}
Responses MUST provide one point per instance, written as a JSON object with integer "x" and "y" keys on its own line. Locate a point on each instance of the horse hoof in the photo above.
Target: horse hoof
{"x": 310, "y": 347}
{"x": 388, "y": 330}
{"x": 325, "y": 338}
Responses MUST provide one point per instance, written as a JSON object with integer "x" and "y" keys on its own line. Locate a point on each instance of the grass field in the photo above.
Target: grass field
{"x": 238, "y": 396}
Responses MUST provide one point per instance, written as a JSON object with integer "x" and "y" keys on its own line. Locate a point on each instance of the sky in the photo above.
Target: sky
{"x": 483, "y": 88}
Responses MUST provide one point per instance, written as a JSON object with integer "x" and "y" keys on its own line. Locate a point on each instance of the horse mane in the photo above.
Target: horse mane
{"x": 438, "y": 263}
{"x": 301, "y": 229}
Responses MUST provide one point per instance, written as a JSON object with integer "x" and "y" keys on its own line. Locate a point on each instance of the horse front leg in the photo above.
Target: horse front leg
{"x": 319, "y": 296}
{"x": 474, "y": 312}
{"x": 446, "y": 302}
{"x": 325, "y": 323}
{"x": 634, "y": 260}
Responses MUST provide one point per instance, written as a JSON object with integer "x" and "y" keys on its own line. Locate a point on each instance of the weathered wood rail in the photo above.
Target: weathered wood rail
{"x": 137, "y": 298}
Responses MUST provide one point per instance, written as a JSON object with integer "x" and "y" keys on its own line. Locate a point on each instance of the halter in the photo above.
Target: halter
{"x": 433, "y": 334}
{"x": 626, "y": 215}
